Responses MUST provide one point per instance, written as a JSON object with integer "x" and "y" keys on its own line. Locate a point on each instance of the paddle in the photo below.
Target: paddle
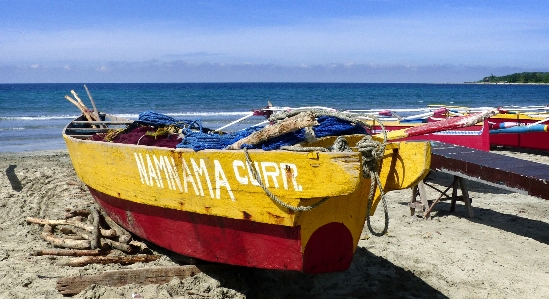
{"x": 443, "y": 125}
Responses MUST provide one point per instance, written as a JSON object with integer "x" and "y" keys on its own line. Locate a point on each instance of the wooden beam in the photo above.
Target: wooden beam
{"x": 106, "y": 122}
{"x": 75, "y": 284}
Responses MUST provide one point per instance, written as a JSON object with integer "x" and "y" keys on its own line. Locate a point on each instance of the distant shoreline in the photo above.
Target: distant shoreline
{"x": 504, "y": 83}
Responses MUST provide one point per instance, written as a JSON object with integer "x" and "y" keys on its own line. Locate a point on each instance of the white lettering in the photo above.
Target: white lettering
{"x": 152, "y": 172}
{"x": 187, "y": 177}
{"x": 142, "y": 170}
{"x": 202, "y": 171}
{"x": 251, "y": 176}
{"x": 266, "y": 174}
{"x": 221, "y": 181}
{"x": 171, "y": 173}
{"x": 159, "y": 165}
{"x": 241, "y": 179}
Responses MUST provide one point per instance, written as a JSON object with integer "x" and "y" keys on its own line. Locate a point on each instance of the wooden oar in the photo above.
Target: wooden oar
{"x": 443, "y": 125}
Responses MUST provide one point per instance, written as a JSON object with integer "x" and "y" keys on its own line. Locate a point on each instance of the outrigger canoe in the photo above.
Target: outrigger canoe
{"x": 208, "y": 204}
{"x": 525, "y": 128}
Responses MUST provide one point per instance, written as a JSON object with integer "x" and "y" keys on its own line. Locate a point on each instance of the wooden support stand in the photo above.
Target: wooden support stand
{"x": 425, "y": 206}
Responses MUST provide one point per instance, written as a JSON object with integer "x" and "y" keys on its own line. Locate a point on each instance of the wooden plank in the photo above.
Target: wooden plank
{"x": 79, "y": 136}
{"x": 95, "y": 130}
{"x": 75, "y": 284}
{"x": 493, "y": 169}
{"x": 103, "y": 122}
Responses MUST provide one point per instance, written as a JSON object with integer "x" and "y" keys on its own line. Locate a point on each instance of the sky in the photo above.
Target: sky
{"x": 370, "y": 41}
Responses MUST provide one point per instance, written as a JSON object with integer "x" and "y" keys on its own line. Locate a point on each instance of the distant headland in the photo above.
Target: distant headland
{"x": 516, "y": 78}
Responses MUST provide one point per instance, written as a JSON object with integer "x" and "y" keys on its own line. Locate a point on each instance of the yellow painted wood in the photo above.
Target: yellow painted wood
{"x": 218, "y": 183}
{"x": 222, "y": 185}
{"x": 403, "y": 166}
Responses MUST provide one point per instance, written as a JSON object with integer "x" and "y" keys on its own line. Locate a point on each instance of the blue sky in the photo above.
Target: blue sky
{"x": 270, "y": 41}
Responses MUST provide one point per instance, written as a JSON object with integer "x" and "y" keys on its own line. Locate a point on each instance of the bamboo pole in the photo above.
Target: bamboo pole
{"x": 82, "y": 108}
{"x": 93, "y": 104}
{"x": 438, "y": 126}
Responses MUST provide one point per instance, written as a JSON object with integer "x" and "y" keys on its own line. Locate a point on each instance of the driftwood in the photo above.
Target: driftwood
{"x": 130, "y": 248}
{"x": 74, "y": 285}
{"x": 118, "y": 245}
{"x": 123, "y": 235}
{"x": 90, "y": 241}
{"x": 124, "y": 260}
{"x": 73, "y": 213}
{"x": 291, "y": 124}
{"x": 67, "y": 252}
{"x": 95, "y": 239}
{"x": 47, "y": 235}
{"x": 104, "y": 232}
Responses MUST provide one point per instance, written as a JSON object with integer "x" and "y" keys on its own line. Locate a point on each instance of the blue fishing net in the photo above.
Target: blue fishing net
{"x": 198, "y": 138}
{"x": 155, "y": 119}
{"x": 328, "y": 126}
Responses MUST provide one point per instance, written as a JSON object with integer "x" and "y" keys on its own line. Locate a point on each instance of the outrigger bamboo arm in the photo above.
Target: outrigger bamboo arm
{"x": 438, "y": 126}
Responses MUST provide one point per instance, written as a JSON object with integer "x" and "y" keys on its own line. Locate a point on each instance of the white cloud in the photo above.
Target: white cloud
{"x": 412, "y": 40}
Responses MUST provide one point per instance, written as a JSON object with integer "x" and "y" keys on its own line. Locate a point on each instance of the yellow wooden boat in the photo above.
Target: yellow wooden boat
{"x": 303, "y": 211}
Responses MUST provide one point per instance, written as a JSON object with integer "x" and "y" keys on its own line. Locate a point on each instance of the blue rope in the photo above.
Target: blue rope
{"x": 206, "y": 139}
{"x": 328, "y": 126}
{"x": 200, "y": 140}
{"x": 155, "y": 119}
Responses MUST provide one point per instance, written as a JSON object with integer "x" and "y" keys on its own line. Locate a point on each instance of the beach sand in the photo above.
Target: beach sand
{"x": 500, "y": 253}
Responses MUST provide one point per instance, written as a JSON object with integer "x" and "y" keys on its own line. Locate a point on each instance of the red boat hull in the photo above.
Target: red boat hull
{"x": 233, "y": 241}
{"x": 530, "y": 140}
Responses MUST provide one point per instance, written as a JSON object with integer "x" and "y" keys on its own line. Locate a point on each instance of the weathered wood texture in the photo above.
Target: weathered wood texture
{"x": 291, "y": 124}
{"x": 74, "y": 285}
{"x": 124, "y": 260}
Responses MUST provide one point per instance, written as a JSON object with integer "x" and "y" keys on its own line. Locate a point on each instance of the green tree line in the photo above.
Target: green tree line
{"x": 526, "y": 77}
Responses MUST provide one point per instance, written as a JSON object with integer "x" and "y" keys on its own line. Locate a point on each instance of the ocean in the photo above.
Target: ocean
{"x": 32, "y": 116}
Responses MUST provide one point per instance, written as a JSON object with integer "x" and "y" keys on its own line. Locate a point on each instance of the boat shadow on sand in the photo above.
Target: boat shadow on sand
{"x": 513, "y": 221}
{"x": 369, "y": 276}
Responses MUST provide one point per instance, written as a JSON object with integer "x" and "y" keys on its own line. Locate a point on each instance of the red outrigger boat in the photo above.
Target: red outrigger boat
{"x": 512, "y": 128}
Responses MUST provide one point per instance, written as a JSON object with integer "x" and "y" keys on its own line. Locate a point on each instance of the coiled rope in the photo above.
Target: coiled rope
{"x": 273, "y": 197}
{"x": 372, "y": 152}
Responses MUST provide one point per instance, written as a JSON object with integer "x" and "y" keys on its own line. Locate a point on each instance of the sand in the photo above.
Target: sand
{"x": 501, "y": 253}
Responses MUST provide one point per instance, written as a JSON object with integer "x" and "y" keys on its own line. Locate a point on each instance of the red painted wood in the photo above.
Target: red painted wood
{"x": 447, "y": 124}
{"x": 535, "y": 140}
{"x": 233, "y": 241}
{"x": 329, "y": 249}
{"x": 479, "y": 140}
{"x": 210, "y": 238}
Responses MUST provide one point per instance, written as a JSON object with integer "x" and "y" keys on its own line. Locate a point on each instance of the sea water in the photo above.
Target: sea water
{"x": 32, "y": 116}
